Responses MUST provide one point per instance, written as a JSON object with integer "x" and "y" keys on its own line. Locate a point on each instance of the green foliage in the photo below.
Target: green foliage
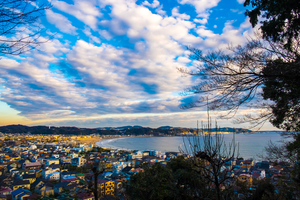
{"x": 70, "y": 167}
{"x": 264, "y": 190}
{"x": 177, "y": 180}
{"x": 189, "y": 182}
{"x": 155, "y": 183}
{"x": 281, "y": 19}
{"x": 282, "y": 86}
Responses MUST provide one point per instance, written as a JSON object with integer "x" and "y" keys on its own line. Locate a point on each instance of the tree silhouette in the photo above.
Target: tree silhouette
{"x": 19, "y": 27}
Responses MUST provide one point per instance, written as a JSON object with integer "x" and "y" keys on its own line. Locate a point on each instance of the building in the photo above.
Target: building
{"x": 32, "y": 166}
{"x": 107, "y": 187}
{"x": 79, "y": 161}
{"x": 247, "y": 178}
{"x": 85, "y": 196}
{"x": 47, "y": 173}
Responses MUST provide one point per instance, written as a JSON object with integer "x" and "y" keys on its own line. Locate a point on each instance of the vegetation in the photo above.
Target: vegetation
{"x": 281, "y": 19}
{"x": 177, "y": 180}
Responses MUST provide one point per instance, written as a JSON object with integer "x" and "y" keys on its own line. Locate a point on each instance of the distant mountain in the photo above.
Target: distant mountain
{"x": 165, "y": 127}
{"x": 122, "y": 127}
{"x": 130, "y": 130}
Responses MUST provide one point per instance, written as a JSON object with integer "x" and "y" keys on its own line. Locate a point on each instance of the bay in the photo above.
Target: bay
{"x": 251, "y": 145}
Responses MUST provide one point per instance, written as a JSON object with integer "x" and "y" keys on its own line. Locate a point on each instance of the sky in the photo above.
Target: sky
{"x": 115, "y": 62}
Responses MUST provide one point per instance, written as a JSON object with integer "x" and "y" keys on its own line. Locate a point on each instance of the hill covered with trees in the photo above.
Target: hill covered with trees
{"x": 124, "y": 130}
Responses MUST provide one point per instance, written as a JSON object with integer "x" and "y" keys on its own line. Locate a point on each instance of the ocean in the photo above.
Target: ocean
{"x": 251, "y": 145}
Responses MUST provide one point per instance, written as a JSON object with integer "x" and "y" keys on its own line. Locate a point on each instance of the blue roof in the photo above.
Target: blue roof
{"x": 19, "y": 191}
{"x": 107, "y": 173}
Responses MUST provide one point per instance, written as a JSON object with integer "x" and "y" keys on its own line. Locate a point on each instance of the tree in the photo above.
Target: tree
{"x": 282, "y": 87}
{"x": 250, "y": 75}
{"x": 281, "y": 19}
{"x": 177, "y": 180}
{"x": 210, "y": 155}
{"x": 155, "y": 182}
{"x": 19, "y": 28}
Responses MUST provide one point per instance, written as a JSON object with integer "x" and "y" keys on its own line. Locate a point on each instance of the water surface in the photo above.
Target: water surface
{"x": 250, "y": 145}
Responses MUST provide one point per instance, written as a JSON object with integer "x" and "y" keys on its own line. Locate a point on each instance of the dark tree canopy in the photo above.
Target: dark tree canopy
{"x": 281, "y": 18}
{"x": 282, "y": 86}
{"x": 177, "y": 180}
{"x": 19, "y": 27}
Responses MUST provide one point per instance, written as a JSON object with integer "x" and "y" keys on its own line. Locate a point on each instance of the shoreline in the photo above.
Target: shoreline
{"x": 100, "y": 142}
{"x": 247, "y": 150}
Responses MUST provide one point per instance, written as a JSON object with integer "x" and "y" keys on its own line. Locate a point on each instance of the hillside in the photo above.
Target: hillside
{"x": 124, "y": 130}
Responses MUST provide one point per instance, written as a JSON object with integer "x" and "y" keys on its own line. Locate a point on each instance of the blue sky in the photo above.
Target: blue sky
{"x": 115, "y": 62}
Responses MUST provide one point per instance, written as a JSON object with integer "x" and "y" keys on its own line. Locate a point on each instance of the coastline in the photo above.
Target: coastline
{"x": 97, "y": 139}
{"x": 102, "y": 143}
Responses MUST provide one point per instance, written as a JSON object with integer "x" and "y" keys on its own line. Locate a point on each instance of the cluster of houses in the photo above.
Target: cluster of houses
{"x": 64, "y": 170}
{"x": 248, "y": 171}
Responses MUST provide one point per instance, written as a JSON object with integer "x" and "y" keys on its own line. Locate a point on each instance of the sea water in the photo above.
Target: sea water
{"x": 249, "y": 145}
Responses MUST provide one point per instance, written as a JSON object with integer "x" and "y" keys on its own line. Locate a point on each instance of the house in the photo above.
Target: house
{"x": 80, "y": 176}
{"x": 262, "y": 173}
{"x": 5, "y": 190}
{"x": 263, "y": 165}
{"x": 278, "y": 167}
{"x": 85, "y": 196}
{"x": 37, "y": 183}
{"x": 6, "y": 180}
{"x": 255, "y": 175}
{"x": 21, "y": 184}
{"x": 79, "y": 161}
{"x": 58, "y": 188}
{"x": 48, "y": 173}
{"x": 71, "y": 180}
{"x": 247, "y": 178}
{"x": 107, "y": 187}
{"x": 44, "y": 190}
{"x": 30, "y": 177}
{"x": 32, "y": 197}
{"x": 20, "y": 193}
{"x": 32, "y": 166}
{"x": 106, "y": 174}
{"x": 245, "y": 168}
{"x": 39, "y": 173}
{"x": 52, "y": 161}
{"x": 249, "y": 162}
{"x": 54, "y": 176}
{"x": 3, "y": 197}
{"x": 138, "y": 154}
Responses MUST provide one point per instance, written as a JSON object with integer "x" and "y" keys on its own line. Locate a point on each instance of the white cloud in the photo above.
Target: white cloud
{"x": 175, "y": 13}
{"x": 201, "y": 21}
{"x": 60, "y": 22}
{"x": 154, "y": 4}
{"x": 160, "y": 11}
{"x": 87, "y": 32}
{"x": 201, "y": 6}
{"x": 85, "y": 11}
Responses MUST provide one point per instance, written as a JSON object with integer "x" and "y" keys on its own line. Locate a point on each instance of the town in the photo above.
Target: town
{"x": 60, "y": 167}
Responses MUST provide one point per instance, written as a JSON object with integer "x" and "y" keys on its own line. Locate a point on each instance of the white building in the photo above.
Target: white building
{"x": 79, "y": 162}
{"x": 48, "y": 173}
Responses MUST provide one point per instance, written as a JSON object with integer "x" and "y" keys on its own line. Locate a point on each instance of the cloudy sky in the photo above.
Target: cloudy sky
{"x": 115, "y": 62}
